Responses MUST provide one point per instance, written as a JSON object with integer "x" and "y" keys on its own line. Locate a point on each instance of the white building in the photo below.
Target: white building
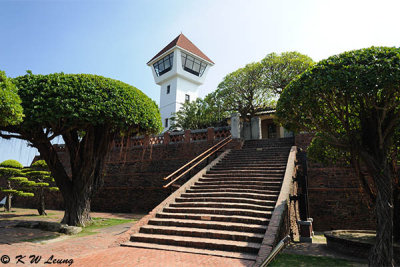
{"x": 179, "y": 68}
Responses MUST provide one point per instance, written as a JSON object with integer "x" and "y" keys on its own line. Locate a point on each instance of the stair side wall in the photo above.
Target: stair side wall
{"x": 335, "y": 200}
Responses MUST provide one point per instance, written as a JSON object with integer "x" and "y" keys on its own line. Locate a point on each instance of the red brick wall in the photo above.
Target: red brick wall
{"x": 134, "y": 177}
{"x": 335, "y": 200}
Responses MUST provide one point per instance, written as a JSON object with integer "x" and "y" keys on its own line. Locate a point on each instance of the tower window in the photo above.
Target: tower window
{"x": 187, "y": 98}
{"x": 166, "y": 123}
{"x": 168, "y": 89}
{"x": 164, "y": 65}
{"x": 193, "y": 65}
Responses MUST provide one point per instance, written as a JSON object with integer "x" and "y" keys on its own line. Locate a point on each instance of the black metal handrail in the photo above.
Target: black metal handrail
{"x": 197, "y": 160}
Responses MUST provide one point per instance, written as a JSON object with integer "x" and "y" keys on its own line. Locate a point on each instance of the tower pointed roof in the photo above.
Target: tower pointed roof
{"x": 183, "y": 42}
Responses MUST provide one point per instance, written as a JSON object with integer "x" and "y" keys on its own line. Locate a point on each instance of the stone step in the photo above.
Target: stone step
{"x": 242, "y": 178}
{"x": 239, "y": 189}
{"x": 208, "y": 224}
{"x": 243, "y": 175}
{"x": 229, "y": 194}
{"x": 251, "y": 164}
{"x": 221, "y": 211}
{"x": 257, "y": 157}
{"x": 261, "y": 150}
{"x": 272, "y": 183}
{"x": 261, "y": 168}
{"x": 244, "y": 153}
{"x": 245, "y": 172}
{"x": 226, "y": 188}
{"x": 261, "y": 163}
{"x": 213, "y": 218}
{"x": 229, "y": 254}
{"x": 196, "y": 242}
{"x": 260, "y": 202}
{"x": 224, "y": 205}
{"x": 203, "y": 233}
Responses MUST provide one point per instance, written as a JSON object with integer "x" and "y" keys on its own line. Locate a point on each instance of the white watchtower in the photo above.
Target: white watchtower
{"x": 179, "y": 68}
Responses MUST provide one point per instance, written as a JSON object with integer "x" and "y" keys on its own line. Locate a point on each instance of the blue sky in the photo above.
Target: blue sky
{"x": 116, "y": 38}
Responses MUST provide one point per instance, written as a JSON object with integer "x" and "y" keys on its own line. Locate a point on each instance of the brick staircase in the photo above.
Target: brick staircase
{"x": 227, "y": 210}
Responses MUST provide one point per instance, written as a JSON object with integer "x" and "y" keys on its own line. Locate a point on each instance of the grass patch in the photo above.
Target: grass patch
{"x": 306, "y": 261}
{"x": 98, "y": 223}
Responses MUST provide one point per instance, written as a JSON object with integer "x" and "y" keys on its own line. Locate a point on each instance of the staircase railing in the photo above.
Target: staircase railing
{"x": 196, "y": 161}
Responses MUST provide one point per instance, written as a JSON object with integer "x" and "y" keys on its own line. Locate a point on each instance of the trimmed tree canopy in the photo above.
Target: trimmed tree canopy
{"x": 59, "y": 101}
{"x": 88, "y": 111}
{"x": 281, "y": 69}
{"x": 10, "y": 109}
{"x": 10, "y": 163}
{"x": 353, "y": 101}
{"x": 340, "y": 93}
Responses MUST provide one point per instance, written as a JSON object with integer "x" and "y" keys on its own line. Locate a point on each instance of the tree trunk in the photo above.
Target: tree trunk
{"x": 41, "y": 206}
{"x": 396, "y": 215}
{"x": 77, "y": 209}
{"x": 8, "y": 203}
{"x": 382, "y": 251}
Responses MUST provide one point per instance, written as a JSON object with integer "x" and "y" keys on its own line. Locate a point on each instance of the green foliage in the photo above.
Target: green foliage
{"x": 200, "y": 114}
{"x": 10, "y": 163}
{"x": 25, "y": 194}
{"x": 39, "y": 175}
{"x": 9, "y": 191}
{"x": 10, "y": 104}
{"x": 59, "y": 101}
{"x": 42, "y": 184}
{"x": 322, "y": 152}
{"x": 245, "y": 91}
{"x": 9, "y": 172}
{"x": 257, "y": 86}
{"x": 18, "y": 179}
{"x": 40, "y": 164}
{"x": 339, "y": 94}
{"x": 280, "y": 70}
{"x": 53, "y": 189}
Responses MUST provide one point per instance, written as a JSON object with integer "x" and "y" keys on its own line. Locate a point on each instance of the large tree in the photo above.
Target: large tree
{"x": 257, "y": 86}
{"x": 353, "y": 101}
{"x": 10, "y": 108}
{"x": 245, "y": 91}
{"x": 280, "y": 69}
{"x": 88, "y": 111}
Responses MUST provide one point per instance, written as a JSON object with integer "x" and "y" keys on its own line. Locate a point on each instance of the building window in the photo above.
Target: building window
{"x": 168, "y": 89}
{"x": 164, "y": 65}
{"x": 187, "y": 98}
{"x": 166, "y": 123}
{"x": 193, "y": 65}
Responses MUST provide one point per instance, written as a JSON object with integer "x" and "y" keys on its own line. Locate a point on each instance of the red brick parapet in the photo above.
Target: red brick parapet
{"x": 188, "y": 136}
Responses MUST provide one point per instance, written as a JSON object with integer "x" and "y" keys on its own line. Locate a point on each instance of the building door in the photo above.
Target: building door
{"x": 272, "y": 130}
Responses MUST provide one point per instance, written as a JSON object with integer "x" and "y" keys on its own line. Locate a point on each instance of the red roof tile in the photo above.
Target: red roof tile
{"x": 183, "y": 42}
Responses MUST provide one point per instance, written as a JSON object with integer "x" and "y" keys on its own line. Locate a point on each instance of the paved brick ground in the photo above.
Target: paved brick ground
{"x": 101, "y": 249}
{"x": 139, "y": 257}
